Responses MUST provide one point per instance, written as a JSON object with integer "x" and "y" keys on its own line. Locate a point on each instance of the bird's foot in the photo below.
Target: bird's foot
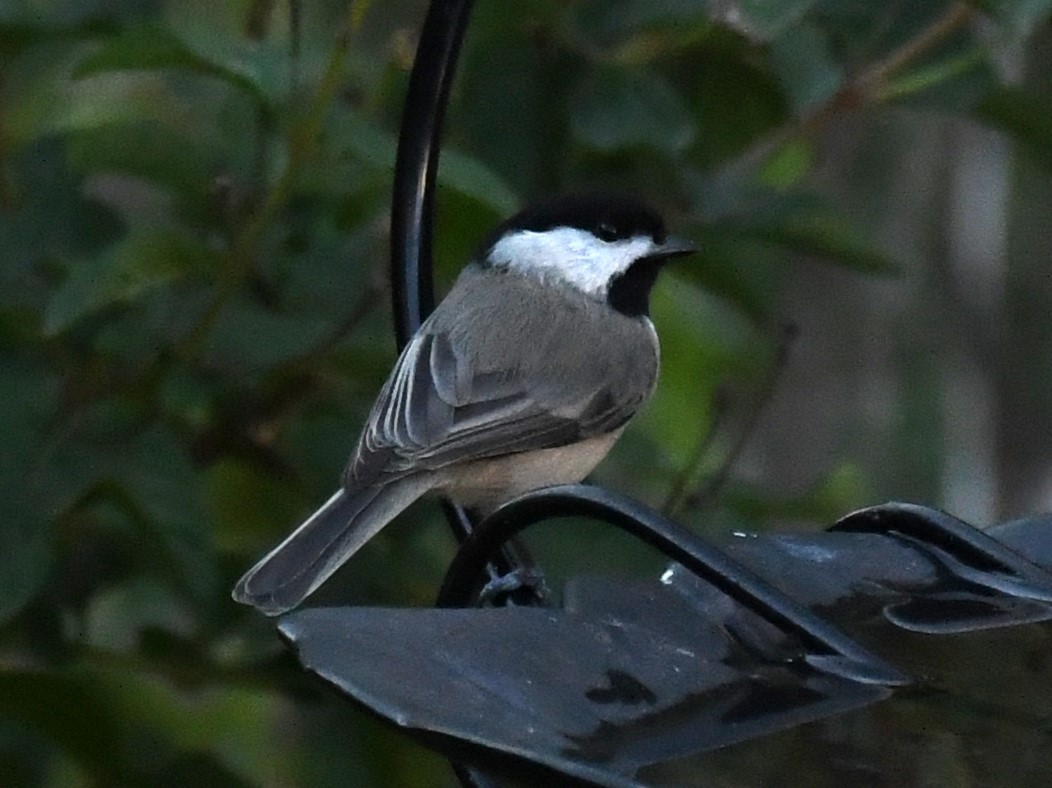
{"x": 523, "y": 586}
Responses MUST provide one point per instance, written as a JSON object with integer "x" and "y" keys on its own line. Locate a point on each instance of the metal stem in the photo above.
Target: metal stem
{"x": 416, "y": 165}
{"x": 416, "y": 171}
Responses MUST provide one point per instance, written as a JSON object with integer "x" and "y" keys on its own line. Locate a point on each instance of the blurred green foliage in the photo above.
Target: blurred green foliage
{"x": 194, "y": 320}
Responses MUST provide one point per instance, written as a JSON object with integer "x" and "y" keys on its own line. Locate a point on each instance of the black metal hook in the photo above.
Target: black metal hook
{"x": 993, "y": 561}
{"x": 416, "y": 171}
{"x": 416, "y": 164}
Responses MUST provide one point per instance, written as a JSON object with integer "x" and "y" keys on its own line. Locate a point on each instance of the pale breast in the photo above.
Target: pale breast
{"x": 486, "y": 484}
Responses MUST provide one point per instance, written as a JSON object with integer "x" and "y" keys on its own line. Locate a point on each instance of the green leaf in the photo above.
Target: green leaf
{"x": 71, "y": 712}
{"x": 616, "y": 109}
{"x": 56, "y": 104}
{"x": 805, "y": 66}
{"x": 1022, "y": 115}
{"x": 638, "y": 31}
{"x": 178, "y": 723}
{"x": 461, "y": 226}
{"x": 733, "y": 101}
{"x": 28, "y": 553}
{"x": 352, "y": 133}
{"x": 150, "y": 151}
{"x": 704, "y": 340}
{"x": 148, "y": 477}
{"x": 139, "y": 263}
{"x": 472, "y": 178}
{"x": 52, "y": 218}
{"x": 955, "y": 81}
{"x": 120, "y": 724}
{"x": 249, "y": 502}
{"x": 116, "y": 616}
{"x": 251, "y": 337}
{"x": 515, "y": 131}
{"x": 788, "y": 165}
{"x": 153, "y": 48}
{"x": 355, "y": 135}
{"x": 215, "y": 33}
{"x": 156, "y": 471}
{"x": 28, "y": 397}
{"x": 765, "y": 19}
{"x": 806, "y": 225}
{"x": 742, "y": 271}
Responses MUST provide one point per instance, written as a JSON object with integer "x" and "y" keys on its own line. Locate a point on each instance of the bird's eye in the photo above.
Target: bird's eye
{"x": 607, "y": 232}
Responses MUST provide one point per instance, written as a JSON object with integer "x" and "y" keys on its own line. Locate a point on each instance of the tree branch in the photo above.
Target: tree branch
{"x": 868, "y": 87}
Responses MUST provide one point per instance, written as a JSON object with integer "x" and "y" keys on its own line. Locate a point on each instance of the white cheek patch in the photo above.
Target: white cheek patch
{"x": 573, "y": 255}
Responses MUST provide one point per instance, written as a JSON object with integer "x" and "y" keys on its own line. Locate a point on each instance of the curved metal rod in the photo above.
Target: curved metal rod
{"x": 961, "y": 540}
{"x": 416, "y": 171}
{"x": 416, "y": 164}
{"x": 464, "y": 578}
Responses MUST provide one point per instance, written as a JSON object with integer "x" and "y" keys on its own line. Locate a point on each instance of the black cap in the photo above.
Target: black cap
{"x": 611, "y": 217}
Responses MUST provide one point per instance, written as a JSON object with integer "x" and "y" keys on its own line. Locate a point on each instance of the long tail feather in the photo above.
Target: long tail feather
{"x": 291, "y": 571}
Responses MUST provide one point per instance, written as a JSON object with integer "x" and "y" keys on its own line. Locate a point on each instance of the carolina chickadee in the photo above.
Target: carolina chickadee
{"x": 523, "y": 377}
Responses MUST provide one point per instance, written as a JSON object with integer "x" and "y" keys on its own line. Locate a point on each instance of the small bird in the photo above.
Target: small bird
{"x": 524, "y": 376}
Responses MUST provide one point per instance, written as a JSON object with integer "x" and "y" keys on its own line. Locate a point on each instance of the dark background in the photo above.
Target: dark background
{"x": 194, "y": 318}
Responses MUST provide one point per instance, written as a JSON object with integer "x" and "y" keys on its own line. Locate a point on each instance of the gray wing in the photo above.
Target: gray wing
{"x": 456, "y": 394}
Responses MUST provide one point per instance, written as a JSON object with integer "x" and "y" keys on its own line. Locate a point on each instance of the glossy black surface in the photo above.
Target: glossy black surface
{"x": 637, "y": 682}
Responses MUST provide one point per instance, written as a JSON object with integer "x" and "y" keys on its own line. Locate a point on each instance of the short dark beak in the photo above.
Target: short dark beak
{"x": 674, "y": 246}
